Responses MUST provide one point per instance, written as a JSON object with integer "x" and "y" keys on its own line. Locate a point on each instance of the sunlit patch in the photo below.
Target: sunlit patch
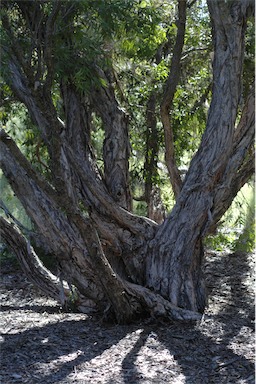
{"x": 135, "y": 357}
{"x": 67, "y": 358}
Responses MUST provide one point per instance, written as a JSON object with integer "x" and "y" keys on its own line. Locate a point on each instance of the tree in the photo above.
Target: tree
{"x": 58, "y": 60}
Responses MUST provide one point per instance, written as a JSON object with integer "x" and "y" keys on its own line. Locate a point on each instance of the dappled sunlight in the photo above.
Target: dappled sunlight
{"x": 127, "y": 153}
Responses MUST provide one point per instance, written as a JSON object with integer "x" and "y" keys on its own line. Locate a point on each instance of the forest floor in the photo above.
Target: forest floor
{"x": 41, "y": 344}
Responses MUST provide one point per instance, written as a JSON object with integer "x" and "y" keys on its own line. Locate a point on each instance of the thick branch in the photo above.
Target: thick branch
{"x": 177, "y": 249}
{"x": 116, "y": 144}
{"x": 41, "y": 204}
{"x": 124, "y": 307}
{"x": 20, "y": 87}
{"x": 105, "y": 205}
{"x": 240, "y": 166}
{"x": 78, "y": 120}
{"x": 35, "y": 194}
{"x": 35, "y": 92}
{"x": 31, "y": 264}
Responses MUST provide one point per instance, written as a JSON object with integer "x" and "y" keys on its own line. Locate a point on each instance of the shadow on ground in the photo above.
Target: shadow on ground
{"x": 42, "y": 345}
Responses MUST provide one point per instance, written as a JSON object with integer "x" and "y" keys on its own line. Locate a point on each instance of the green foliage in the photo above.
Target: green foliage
{"x": 12, "y": 203}
{"x": 15, "y": 208}
{"x": 237, "y": 229}
{"x": 102, "y": 28}
{"x": 135, "y": 39}
{"x": 249, "y": 59}
{"x": 246, "y": 239}
{"x": 18, "y": 124}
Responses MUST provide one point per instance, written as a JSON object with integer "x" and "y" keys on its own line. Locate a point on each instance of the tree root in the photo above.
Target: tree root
{"x": 160, "y": 307}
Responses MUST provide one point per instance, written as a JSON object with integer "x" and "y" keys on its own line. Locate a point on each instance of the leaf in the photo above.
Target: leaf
{"x": 143, "y": 4}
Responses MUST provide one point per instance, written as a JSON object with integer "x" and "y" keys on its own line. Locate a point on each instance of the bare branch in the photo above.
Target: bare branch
{"x": 241, "y": 165}
{"x": 169, "y": 91}
{"x": 30, "y": 263}
{"x": 116, "y": 144}
{"x": 186, "y": 53}
{"x": 191, "y": 3}
{"x": 37, "y": 197}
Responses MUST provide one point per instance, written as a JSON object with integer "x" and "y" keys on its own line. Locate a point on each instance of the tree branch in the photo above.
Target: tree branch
{"x": 104, "y": 204}
{"x": 31, "y": 264}
{"x": 169, "y": 91}
{"x": 41, "y": 203}
{"x": 78, "y": 120}
{"x": 116, "y": 144}
{"x": 36, "y": 195}
{"x": 240, "y": 166}
{"x": 48, "y": 46}
{"x": 14, "y": 49}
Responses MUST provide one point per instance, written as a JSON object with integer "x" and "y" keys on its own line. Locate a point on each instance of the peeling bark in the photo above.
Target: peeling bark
{"x": 41, "y": 204}
{"x": 116, "y": 144}
{"x": 174, "y": 269}
{"x": 125, "y": 265}
{"x": 241, "y": 164}
{"x": 31, "y": 264}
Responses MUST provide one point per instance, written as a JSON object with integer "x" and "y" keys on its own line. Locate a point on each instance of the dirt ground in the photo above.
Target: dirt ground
{"x": 41, "y": 344}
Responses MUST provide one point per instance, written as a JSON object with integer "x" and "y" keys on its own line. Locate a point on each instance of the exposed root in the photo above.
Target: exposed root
{"x": 160, "y": 307}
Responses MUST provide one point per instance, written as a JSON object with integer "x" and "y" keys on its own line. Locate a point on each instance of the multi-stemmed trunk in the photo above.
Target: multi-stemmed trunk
{"x": 121, "y": 264}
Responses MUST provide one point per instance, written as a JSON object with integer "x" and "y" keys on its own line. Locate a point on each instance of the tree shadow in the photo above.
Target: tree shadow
{"x": 203, "y": 359}
{"x": 229, "y": 277}
{"x": 129, "y": 371}
{"x": 58, "y": 347}
{"x": 50, "y": 353}
{"x": 242, "y": 303}
{"x": 171, "y": 352}
{"x": 203, "y": 352}
{"x": 196, "y": 357}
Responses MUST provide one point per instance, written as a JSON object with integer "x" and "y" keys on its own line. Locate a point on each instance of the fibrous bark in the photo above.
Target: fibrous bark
{"x": 123, "y": 264}
{"x": 31, "y": 264}
{"x": 116, "y": 144}
{"x": 177, "y": 246}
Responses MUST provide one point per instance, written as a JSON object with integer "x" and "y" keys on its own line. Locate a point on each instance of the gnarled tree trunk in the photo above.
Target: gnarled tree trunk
{"x": 121, "y": 264}
{"x": 177, "y": 247}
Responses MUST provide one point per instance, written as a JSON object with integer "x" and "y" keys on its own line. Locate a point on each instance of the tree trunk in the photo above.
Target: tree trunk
{"x": 174, "y": 267}
{"x": 121, "y": 264}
